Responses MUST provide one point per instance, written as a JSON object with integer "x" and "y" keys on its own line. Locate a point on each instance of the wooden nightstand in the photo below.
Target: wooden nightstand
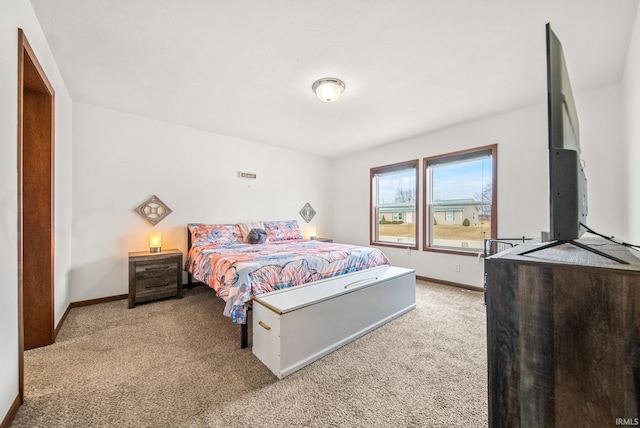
{"x": 154, "y": 276}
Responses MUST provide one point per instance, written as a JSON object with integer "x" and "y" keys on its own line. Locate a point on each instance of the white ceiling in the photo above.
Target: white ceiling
{"x": 244, "y": 68}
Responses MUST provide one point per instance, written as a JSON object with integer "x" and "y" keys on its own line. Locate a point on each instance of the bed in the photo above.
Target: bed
{"x": 222, "y": 257}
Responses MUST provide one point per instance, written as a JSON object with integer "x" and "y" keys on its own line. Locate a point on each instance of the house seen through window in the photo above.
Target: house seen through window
{"x": 460, "y": 203}
{"x": 394, "y": 205}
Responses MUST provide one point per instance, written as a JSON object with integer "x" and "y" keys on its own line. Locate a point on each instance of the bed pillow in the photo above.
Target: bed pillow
{"x": 257, "y": 236}
{"x": 219, "y": 235}
{"x": 282, "y": 230}
{"x": 245, "y": 228}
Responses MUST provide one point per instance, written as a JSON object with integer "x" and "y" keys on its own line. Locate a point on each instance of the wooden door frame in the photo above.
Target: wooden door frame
{"x": 34, "y": 80}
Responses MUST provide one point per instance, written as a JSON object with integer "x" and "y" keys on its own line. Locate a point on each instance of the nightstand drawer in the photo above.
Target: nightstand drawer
{"x": 156, "y": 281}
{"x": 154, "y": 276}
{"x": 146, "y": 270}
{"x": 151, "y": 289}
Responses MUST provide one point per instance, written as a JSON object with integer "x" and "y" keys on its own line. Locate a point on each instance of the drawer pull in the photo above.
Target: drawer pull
{"x": 158, "y": 285}
{"x": 157, "y": 269}
{"x": 359, "y": 281}
{"x": 263, "y": 325}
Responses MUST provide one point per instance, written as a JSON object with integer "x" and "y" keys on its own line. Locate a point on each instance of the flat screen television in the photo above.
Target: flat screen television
{"x": 568, "y": 204}
{"x": 567, "y": 181}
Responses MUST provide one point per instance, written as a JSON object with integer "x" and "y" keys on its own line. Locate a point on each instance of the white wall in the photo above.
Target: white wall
{"x": 600, "y": 113}
{"x": 523, "y": 202}
{"x": 120, "y": 160}
{"x": 631, "y": 91}
{"x": 16, "y": 14}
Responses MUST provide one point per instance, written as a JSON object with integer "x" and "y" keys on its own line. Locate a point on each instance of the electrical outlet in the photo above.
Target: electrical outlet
{"x": 456, "y": 267}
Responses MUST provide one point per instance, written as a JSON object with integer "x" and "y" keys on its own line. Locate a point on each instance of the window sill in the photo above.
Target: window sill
{"x": 391, "y": 245}
{"x": 471, "y": 252}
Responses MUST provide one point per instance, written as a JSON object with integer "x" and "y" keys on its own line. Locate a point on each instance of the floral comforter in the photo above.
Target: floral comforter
{"x": 240, "y": 271}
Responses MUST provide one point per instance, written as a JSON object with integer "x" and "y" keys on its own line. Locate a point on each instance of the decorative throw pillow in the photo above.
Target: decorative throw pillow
{"x": 282, "y": 230}
{"x": 218, "y": 235}
{"x": 257, "y": 236}
{"x": 245, "y": 228}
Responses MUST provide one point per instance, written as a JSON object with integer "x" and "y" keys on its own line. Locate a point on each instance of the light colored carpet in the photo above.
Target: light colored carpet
{"x": 177, "y": 363}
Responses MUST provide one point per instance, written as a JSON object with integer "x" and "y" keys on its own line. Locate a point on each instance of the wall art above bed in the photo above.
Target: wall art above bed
{"x": 307, "y": 212}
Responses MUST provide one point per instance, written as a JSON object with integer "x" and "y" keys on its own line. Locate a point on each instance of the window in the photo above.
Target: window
{"x": 460, "y": 200}
{"x": 394, "y": 205}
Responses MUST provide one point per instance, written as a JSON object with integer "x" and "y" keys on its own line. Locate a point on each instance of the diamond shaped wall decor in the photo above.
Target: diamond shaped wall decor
{"x": 153, "y": 210}
{"x": 307, "y": 212}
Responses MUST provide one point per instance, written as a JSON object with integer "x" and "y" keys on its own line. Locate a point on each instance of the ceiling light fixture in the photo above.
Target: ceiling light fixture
{"x": 328, "y": 89}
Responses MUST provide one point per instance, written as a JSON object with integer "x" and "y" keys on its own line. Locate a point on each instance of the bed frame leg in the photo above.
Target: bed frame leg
{"x": 243, "y": 336}
{"x": 244, "y": 331}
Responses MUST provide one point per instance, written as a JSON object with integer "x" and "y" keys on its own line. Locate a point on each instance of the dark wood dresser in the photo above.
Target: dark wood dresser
{"x": 563, "y": 336}
{"x": 154, "y": 276}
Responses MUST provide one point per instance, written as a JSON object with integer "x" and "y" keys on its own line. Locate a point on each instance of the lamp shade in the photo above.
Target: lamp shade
{"x": 328, "y": 89}
{"x": 155, "y": 242}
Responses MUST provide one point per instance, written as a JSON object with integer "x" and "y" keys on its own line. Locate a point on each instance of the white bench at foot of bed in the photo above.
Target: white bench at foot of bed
{"x": 296, "y": 326}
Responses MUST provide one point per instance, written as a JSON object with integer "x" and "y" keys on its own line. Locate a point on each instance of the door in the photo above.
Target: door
{"x": 35, "y": 203}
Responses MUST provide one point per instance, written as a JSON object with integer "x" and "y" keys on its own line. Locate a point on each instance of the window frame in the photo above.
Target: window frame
{"x": 400, "y": 166}
{"x": 427, "y": 209}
